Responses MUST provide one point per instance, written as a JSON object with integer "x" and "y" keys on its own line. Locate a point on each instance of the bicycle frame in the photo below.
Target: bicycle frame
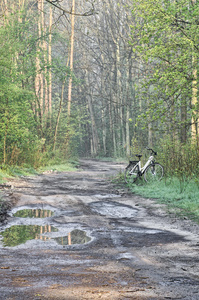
{"x": 151, "y": 170}
{"x": 142, "y": 169}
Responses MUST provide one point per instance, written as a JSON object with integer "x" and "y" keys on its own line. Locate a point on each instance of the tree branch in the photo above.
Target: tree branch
{"x": 86, "y": 14}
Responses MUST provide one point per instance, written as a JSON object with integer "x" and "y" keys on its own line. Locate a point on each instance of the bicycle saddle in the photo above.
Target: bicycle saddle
{"x": 139, "y": 155}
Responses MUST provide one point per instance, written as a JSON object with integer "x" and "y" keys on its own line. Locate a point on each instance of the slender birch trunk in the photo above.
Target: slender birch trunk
{"x": 127, "y": 108}
{"x": 194, "y": 123}
{"x": 58, "y": 116}
{"x": 183, "y": 131}
{"x": 4, "y": 144}
{"x": 4, "y": 5}
{"x": 50, "y": 62}
{"x": 95, "y": 138}
{"x": 194, "y": 126}
{"x": 71, "y": 56}
{"x": 39, "y": 76}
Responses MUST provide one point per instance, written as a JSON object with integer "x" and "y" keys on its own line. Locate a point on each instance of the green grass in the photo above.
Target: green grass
{"x": 3, "y": 175}
{"x": 181, "y": 198}
{"x": 17, "y": 171}
{"x": 62, "y": 167}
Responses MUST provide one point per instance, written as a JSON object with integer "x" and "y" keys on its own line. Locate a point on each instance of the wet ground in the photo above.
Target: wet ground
{"x": 75, "y": 235}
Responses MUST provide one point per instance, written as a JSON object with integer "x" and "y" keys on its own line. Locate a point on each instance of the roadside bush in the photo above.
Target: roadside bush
{"x": 180, "y": 160}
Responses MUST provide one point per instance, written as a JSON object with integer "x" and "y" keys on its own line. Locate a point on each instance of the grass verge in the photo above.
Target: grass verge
{"x": 60, "y": 167}
{"x": 17, "y": 171}
{"x": 181, "y": 198}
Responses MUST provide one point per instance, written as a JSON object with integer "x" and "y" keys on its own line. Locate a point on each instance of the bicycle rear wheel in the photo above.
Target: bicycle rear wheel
{"x": 154, "y": 172}
{"x": 131, "y": 173}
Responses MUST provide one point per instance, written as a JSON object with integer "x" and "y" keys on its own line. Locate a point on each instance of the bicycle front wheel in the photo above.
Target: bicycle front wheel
{"x": 154, "y": 172}
{"x": 131, "y": 173}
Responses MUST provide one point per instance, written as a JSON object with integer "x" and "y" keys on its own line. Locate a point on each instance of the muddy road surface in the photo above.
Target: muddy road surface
{"x": 75, "y": 235}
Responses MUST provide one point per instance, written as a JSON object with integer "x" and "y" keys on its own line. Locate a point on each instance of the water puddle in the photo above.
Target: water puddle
{"x": 114, "y": 209}
{"x": 33, "y": 213}
{"x": 33, "y": 225}
{"x": 20, "y": 234}
{"x": 74, "y": 237}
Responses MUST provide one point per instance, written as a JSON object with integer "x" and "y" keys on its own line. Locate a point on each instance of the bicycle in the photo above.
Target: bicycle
{"x": 153, "y": 171}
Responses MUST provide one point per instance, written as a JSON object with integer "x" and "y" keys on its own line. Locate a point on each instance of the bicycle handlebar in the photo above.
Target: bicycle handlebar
{"x": 153, "y": 152}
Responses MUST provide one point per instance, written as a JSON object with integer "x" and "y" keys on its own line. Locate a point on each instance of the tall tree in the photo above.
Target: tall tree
{"x": 71, "y": 56}
{"x": 168, "y": 32}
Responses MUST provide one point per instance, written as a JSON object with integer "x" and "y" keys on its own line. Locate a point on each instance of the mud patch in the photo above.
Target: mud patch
{"x": 113, "y": 209}
{"x": 107, "y": 196}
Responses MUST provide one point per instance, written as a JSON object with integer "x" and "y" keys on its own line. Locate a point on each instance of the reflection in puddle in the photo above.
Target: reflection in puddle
{"x": 74, "y": 237}
{"x": 33, "y": 213}
{"x": 19, "y": 234}
{"x": 35, "y": 229}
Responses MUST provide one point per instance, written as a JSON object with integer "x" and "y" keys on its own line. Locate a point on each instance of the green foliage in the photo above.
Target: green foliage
{"x": 165, "y": 37}
{"x": 167, "y": 33}
{"x": 179, "y": 160}
{"x": 55, "y": 161}
{"x": 25, "y": 137}
{"x": 18, "y": 136}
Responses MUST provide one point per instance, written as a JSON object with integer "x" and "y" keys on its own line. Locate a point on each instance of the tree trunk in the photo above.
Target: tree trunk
{"x": 4, "y": 144}
{"x": 58, "y": 116}
{"x": 104, "y": 130}
{"x": 118, "y": 98}
{"x": 71, "y": 57}
{"x": 50, "y": 62}
{"x": 194, "y": 123}
{"x": 95, "y": 139}
{"x": 127, "y": 132}
{"x": 112, "y": 130}
{"x": 39, "y": 76}
{"x": 183, "y": 130}
{"x": 5, "y": 10}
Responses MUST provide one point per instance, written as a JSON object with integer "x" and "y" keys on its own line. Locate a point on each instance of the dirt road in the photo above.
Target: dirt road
{"x": 74, "y": 236}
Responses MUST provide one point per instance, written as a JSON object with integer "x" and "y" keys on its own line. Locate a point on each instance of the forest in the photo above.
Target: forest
{"x": 92, "y": 78}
